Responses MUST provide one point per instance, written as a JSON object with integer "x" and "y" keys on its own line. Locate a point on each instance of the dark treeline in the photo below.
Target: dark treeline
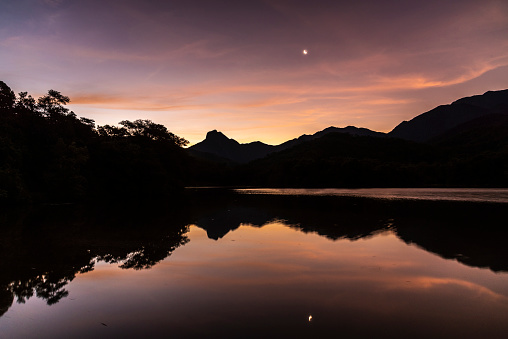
{"x": 48, "y": 153}
{"x": 343, "y": 160}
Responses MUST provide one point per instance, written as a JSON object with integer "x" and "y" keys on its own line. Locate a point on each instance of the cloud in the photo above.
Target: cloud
{"x": 129, "y": 103}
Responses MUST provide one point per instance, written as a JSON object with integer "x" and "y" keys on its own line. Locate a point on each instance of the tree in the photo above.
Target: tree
{"x": 52, "y": 104}
{"x": 153, "y": 131}
{"x": 7, "y": 97}
{"x": 87, "y": 122}
{"x": 25, "y": 102}
{"x": 112, "y": 131}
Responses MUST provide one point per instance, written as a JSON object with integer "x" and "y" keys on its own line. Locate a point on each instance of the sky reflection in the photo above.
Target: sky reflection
{"x": 267, "y": 281}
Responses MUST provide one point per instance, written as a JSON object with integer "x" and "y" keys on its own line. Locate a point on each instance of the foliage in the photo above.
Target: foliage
{"x": 153, "y": 131}
{"x": 47, "y": 153}
{"x": 7, "y": 97}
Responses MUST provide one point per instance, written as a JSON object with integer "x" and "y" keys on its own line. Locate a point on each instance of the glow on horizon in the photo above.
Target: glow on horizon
{"x": 238, "y": 68}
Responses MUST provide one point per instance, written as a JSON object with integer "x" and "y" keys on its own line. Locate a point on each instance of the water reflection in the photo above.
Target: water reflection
{"x": 42, "y": 250}
{"x": 469, "y": 232}
{"x": 491, "y": 195}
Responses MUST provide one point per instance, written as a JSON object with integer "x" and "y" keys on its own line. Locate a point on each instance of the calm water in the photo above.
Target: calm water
{"x": 229, "y": 265}
{"x": 497, "y": 195}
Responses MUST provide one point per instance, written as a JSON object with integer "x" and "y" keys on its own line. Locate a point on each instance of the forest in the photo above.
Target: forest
{"x": 49, "y": 154}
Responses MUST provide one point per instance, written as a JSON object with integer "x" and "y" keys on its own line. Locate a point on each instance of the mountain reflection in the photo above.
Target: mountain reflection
{"x": 42, "y": 250}
{"x": 471, "y": 233}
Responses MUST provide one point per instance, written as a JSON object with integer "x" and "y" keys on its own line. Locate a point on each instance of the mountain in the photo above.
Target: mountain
{"x": 474, "y": 154}
{"x": 441, "y": 119}
{"x": 479, "y": 151}
{"x": 351, "y": 130}
{"x": 218, "y": 147}
{"x": 344, "y": 160}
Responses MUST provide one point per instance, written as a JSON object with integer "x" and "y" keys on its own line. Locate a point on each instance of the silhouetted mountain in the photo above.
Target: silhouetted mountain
{"x": 221, "y": 148}
{"x": 473, "y": 154}
{"x": 489, "y": 132}
{"x": 351, "y": 130}
{"x": 343, "y": 160}
{"x": 220, "y": 145}
{"x": 443, "y": 118}
{"x": 209, "y": 157}
{"x": 423, "y": 128}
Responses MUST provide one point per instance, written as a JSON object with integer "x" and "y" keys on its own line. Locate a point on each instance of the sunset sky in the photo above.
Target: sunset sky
{"x": 238, "y": 65}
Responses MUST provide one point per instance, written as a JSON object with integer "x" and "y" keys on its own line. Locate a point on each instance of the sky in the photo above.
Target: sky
{"x": 239, "y": 67}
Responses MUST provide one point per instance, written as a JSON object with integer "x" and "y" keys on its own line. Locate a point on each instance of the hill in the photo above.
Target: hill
{"x": 486, "y": 133}
{"x": 218, "y": 147}
{"x": 343, "y": 160}
{"x": 442, "y": 119}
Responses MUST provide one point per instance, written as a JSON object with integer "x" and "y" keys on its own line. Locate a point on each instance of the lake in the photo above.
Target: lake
{"x": 220, "y": 263}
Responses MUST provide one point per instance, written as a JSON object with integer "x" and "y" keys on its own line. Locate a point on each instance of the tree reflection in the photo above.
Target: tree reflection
{"x": 43, "y": 250}
{"x": 147, "y": 254}
{"x": 6, "y": 299}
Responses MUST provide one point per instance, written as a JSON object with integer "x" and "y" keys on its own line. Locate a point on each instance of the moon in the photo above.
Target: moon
{"x": 305, "y": 52}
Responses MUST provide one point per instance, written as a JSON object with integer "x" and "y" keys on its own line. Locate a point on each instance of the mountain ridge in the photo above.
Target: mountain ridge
{"x": 220, "y": 145}
{"x": 439, "y": 120}
{"x": 424, "y": 127}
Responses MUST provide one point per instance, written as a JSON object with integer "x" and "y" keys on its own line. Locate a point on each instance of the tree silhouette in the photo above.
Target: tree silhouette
{"x": 25, "y": 103}
{"x": 53, "y": 104}
{"x": 47, "y": 153}
{"x": 112, "y": 131}
{"x": 7, "y": 97}
{"x": 151, "y": 130}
